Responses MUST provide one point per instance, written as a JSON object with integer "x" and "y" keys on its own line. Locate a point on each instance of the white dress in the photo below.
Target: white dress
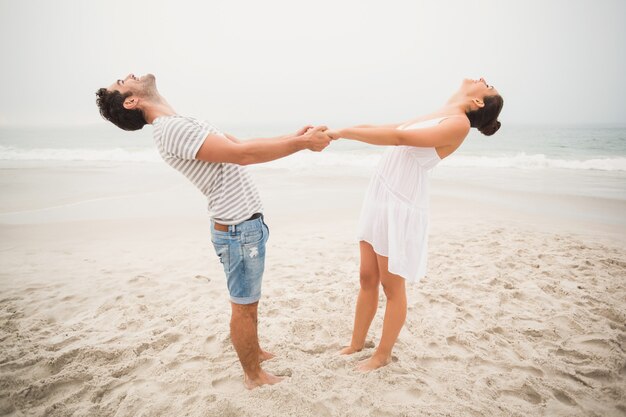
{"x": 394, "y": 217}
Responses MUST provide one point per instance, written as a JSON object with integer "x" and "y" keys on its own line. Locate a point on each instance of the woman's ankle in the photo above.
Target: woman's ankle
{"x": 382, "y": 355}
{"x": 351, "y": 349}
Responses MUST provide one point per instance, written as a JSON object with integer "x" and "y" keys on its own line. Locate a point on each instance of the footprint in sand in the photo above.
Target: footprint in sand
{"x": 603, "y": 375}
{"x": 194, "y": 363}
{"x": 457, "y": 346}
{"x": 572, "y": 356}
{"x": 404, "y": 396}
{"x": 563, "y": 397}
{"x": 525, "y": 393}
{"x": 211, "y": 345}
{"x": 322, "y": 409}
{"x": 227, "y": 385}
{"x": 531, "y": 370}
{"x": 584, "y": 347}
{"x": 202, "y": 278}
{"x": 611, "y": 314}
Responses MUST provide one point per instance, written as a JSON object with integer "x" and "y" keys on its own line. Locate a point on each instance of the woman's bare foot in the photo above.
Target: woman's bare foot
{"x": 264, "y": 378}
{"x": 372, "y": 363}
{"x": 349, "y": 350}
{"x": 264, "y": 355}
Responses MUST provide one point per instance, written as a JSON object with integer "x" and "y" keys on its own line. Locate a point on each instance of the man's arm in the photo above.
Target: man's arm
{"x": 218, "y": 148}
{"x": 446, "y": 133}
{"x": 300, "y": 132}
{"x": 232, "y": 138}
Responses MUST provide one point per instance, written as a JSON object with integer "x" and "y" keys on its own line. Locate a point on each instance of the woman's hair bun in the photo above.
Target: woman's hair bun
{"x": 491, "y": 128}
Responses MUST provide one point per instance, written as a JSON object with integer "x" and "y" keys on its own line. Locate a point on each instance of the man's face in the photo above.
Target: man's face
{"x": 144, "y": 86}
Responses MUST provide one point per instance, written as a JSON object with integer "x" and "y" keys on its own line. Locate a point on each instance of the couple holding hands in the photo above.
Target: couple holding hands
{"x": 393, "y": 225}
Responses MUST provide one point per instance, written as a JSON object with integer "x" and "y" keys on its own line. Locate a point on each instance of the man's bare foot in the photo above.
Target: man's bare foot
{"x": 263, "y": 379}
{"x": 349, "y": 350}
{"x": 372, "y": 363}
{"x": 264, "y": 355}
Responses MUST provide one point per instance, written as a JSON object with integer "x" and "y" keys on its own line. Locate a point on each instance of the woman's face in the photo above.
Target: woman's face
{"x": 477, "y": 88}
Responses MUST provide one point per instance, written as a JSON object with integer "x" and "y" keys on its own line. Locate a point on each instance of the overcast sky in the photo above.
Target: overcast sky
{"x": 321, "y": 61}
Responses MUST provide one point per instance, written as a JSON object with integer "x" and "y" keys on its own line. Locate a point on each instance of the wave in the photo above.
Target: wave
{"x": 87, "y": 155}
{"x": 537, "y": 161}
{"x": 328, "y": 159}
{"x": 304, "y": 161}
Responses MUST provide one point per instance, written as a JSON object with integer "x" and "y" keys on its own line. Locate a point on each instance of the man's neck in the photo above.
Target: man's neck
{"x": 157, "y": 108}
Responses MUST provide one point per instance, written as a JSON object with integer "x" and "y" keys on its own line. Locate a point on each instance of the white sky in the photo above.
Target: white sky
{"x": 322, "y": 61}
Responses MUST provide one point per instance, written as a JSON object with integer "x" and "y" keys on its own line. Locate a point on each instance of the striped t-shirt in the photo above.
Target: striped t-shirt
{"x": 231, "y": 193}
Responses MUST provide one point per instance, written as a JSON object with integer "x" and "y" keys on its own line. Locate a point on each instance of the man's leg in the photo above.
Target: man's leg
{"x": 243, "y": 256}
{"x": 243, "y": 333}
{"x": 263, "y": 354}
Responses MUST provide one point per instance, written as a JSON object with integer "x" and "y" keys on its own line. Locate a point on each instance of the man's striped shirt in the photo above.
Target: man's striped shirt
{"x": 231, "y": 193}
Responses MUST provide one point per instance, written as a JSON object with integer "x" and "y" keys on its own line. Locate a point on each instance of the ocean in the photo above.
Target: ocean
{"x": 579, "y": 161}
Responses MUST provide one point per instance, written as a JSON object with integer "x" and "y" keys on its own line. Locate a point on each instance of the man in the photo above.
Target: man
{"x": 214, "y": 161}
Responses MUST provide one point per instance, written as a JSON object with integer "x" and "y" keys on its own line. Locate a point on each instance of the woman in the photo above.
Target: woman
{"x": 394, "y": 220}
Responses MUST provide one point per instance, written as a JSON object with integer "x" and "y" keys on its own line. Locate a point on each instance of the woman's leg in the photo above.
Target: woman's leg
{"x": 367, "y": 301}
{"x": 395, "y": 315}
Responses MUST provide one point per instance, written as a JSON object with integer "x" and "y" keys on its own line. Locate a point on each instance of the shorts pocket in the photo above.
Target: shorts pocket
{"x": 266, "y": 229}
{"x": 219, "y": 238}
{"x": 252, "y": 237}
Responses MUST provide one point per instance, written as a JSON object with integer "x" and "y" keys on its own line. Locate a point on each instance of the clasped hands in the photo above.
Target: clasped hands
{"x": 318, "y": 137}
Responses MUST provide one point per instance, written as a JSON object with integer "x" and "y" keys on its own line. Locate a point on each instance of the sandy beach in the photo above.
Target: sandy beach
{"x": 113, "y": 303}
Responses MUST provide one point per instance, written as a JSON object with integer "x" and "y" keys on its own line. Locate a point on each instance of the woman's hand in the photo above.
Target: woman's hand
{"x": 317, "y": 139}
{"x": 333, "y": 134}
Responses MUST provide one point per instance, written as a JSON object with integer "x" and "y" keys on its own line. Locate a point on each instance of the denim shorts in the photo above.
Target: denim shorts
{"x": 242, "y": 253}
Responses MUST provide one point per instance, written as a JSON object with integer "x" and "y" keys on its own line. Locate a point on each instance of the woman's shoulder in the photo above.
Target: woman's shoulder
{"x": 458, "y": 121}
{"x": 436, "y": 119}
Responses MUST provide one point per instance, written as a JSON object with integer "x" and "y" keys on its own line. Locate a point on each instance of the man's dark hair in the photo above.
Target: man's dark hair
{"x": 111, "y": 105}
{"x": 485, "y": 119}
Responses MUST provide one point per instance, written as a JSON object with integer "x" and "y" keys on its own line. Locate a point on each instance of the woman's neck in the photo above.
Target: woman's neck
{"x": 452, "y": 108}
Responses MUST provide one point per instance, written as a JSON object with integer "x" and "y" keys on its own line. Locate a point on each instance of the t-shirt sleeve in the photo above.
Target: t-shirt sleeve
{"x": 184, "y": 138}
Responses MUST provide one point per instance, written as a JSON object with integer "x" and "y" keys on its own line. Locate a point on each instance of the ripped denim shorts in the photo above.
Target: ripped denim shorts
{"x": 242, "y": 253}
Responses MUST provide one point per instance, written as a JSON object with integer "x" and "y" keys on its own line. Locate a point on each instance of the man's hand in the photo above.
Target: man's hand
{"x": 317, "y": 139}
{"x": 303, "y": 130}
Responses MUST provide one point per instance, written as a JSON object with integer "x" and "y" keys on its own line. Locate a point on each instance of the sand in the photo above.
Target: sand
{"x": 112, "y": 303}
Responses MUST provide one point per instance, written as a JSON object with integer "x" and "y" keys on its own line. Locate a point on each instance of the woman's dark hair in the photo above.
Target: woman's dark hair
{"x": 111, "y": 105}
{"x": 485, "y": 119}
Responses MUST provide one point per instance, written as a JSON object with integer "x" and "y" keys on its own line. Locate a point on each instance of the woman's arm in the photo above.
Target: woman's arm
{"x": 389, "y": 126}
{"x": 445, "y": 133}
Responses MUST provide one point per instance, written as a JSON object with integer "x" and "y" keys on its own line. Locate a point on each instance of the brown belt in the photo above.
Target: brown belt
{"x": 224, "y": 227}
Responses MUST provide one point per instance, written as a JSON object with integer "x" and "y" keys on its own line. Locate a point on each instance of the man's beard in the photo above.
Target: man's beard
{"x": 148, "y": 87}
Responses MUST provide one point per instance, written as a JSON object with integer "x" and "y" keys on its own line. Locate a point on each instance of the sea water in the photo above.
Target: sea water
{"x": 581, "y": 161}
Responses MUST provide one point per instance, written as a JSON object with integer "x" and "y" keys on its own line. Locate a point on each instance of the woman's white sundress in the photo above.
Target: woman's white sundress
{"x": 394, "y": 217}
